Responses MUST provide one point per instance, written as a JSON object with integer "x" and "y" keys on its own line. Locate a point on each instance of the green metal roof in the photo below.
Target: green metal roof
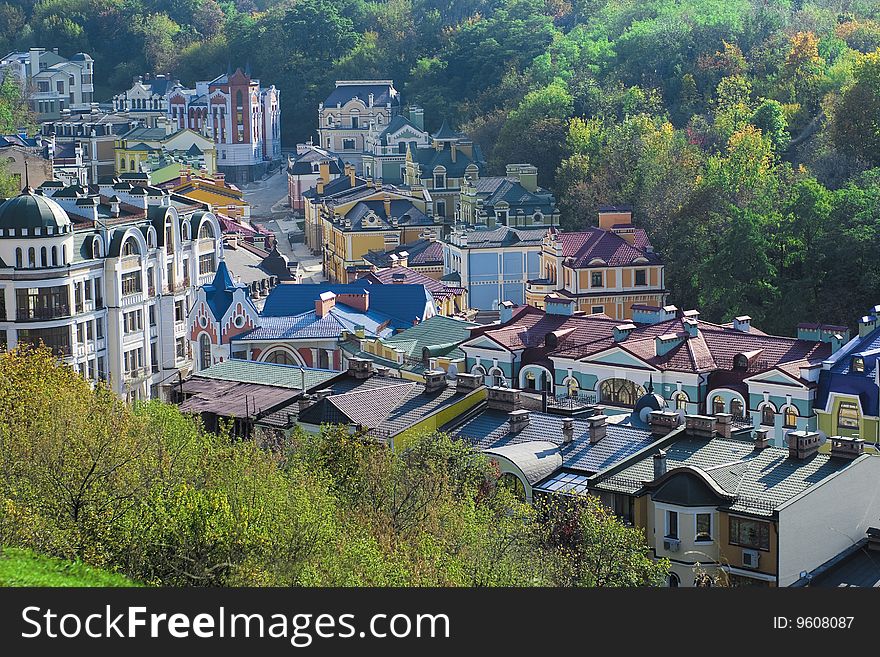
{"x": 270, "y": 374}
{"x": 29, "y": 210}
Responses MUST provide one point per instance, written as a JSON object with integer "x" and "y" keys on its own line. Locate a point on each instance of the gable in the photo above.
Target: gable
{"x": 774, "y": 376}
{"x": 483, "y": 342}
{"x": 617, "y": 356}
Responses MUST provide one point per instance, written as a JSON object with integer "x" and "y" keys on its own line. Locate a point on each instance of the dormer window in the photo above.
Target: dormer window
{"x": 740, "y": 362}
{"x": 439, "y": 181}
{"x": 858, "y": 364}
{"x": 597, "y": 280}
{"x": 641, "y": 277}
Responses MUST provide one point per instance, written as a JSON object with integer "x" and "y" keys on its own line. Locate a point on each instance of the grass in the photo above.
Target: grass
{"x": 24, "y": 568}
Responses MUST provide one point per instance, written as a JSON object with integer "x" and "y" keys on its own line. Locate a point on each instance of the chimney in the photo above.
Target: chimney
{"x": 868, "y": 323}
{"x": 319, "y": 186}
{"x": 598, "y": 427}
{"x": 505, "y": 310}
{"x": 304, "y": 402}
{"x": 568, "y": 430}
{"x": 659, "y": 464}
{"x": 762, "y": 439}
{"x": 452, "y": 150}
{"x": 518, "y": 420}
{"x": 691, "y": 314}
{"x": 435, "y": 380}
{"x": 349, "y": 170}
{"x": 723, "y": 424}
{"x": 691, "y": 327}
{"x": 526, "y": 174}
{"x": 360, "y": 368}
{"x": 360, "y": 301}
{"x": 610, "y": 216}
{"x": 467, "y": 382}
{"x": 324, "y": 303}
{"x": 556, "y": 305}
{"x": 622, "y": 331}
{"x": 114, "y": 206}
{"x": 701, "y": 426}
{"x": 846, "y": 448}
{"x": 665, "y": 343}
{"x": 503, "y": 399}
{"x": 743, "y": 323}
{"x": 802, "y": 444}
{"x": 663, "y": 422}
{"x": 386, "y": 201}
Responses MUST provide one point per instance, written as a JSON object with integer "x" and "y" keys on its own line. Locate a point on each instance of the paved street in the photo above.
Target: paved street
{"x": 268, "y": 199}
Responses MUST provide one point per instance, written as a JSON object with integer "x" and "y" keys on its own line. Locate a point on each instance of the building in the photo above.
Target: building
{"x": 310, "y": 165}
{"x": 260, "y": 270}
{"x": 27, "y": 159}
{"x": 449, "y": 300}
{"x": 147, "y": 98}
{"x": 52, "y": 83}
{"x": 848, "y": 402}
{"x": 222, "y": 196}
{"x": 856, "y": 566}
{"x": 95, "y": 133}
{"x": 352, "y": 110}
{"x": 513, "y": 200}
{"x": 313, "y": 203}
{"x": 443, "y": 168}
{"x": 241, "y": 117}
{"x": 428, "y": 346}
{"x": 144, "y": 148}
{"x": 389, "y": 409}
{"x": 104, "y": 279}
{"x": 371, "y": 217}
{"x": 424, "y": 256}
{"x": 386, "y": 145}
{"x": 751, "y": 513}
{"x": 605, "y": 269}
{"x": 493, "y": 264}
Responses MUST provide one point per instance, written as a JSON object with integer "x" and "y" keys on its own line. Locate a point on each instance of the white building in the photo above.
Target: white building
{"x": 106, "y": 280}
{"x": 51, "y": 82}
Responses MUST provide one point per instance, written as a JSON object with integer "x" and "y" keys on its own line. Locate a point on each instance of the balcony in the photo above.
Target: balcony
{"x": 540, "y": 286}
{"x": 179, "y": 327}
{"x": 132, "y": 299}
{"x": 136, "y": 374}
{"x": 42, "y": 314}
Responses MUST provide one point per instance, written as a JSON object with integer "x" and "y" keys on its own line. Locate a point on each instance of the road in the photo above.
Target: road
{"x": 269, "y": 207}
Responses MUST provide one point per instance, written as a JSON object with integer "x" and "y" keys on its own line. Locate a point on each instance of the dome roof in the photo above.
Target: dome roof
{"x": 28, "y": 211}
{"x": 648, "y": 403}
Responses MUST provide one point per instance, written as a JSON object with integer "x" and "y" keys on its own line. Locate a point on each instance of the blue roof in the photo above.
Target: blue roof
{"x": 404, "y": 304}
{"x": 218, "y": 293}
{"x": 309, "y": 325}
{"x": 841, "y": 378}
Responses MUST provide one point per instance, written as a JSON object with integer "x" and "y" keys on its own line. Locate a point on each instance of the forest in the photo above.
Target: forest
{"x": 744, "y": 133}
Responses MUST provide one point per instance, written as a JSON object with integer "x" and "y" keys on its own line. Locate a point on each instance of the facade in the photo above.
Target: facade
{"x": 353, "y": 110}
{"x": 493, "y": 264}
{"x": 443, "y": 168}
{"x": 222, "y": 196}
{"x": 424, "y": 256}
{"x": 313, "y": 201}
{"x": 386, "y": 145}
{"x": 310, "y": 165}
{"x": 241, "y": 117}
{"x": 606, "y": 269}
{"x": 448, "y": 300}
{"x": 105, "y": 280}
{"x": 52, "y": 83}
{"x": 513, "y": 200}
{"x": 95, "y": 133}
{"x": 369, "y": 218}
{"x": 146, "y": 99}
{"x": 143, "y": 148}
{"x": 751, "y": 513}
{"x": 26, "y": 159}
{"x": 847, "y": 402}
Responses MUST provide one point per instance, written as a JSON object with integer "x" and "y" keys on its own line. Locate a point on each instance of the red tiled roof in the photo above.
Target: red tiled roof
{"x": 412, "y": 277}
{"x": 612, "y": 249}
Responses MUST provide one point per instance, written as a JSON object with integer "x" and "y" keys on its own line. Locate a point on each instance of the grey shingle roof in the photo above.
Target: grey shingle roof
{"x": 504, "y": 236}
{"x": 284, "y": 376}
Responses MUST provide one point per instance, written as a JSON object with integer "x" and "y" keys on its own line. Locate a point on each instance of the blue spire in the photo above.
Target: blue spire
{"x": 222, "y": 278}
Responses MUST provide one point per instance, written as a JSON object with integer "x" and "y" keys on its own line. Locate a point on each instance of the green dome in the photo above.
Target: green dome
{"x": 28, "y": 211}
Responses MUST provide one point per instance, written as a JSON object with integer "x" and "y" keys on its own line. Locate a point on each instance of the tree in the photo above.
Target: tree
{"x": 856, "y": 122}
{"x": 769, "y": 118}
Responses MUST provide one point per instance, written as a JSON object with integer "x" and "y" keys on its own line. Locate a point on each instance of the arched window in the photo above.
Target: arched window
{"x": 32, "y": 257}
{"x": 718, "y": 405}
{"x": 280, "y": 357}
{"x": 130, "y": 247}
{"x": 736, "y": 408}
{"x": 54, "y": 256}
{"x": 205, "y": 351}
{"x": 572, "y": 386}
{"x": 622, "y": 392}
{"x": 43, "y": 257}
{"x": 19, "y": 259}
{"x": 496, "y": 377}
{"x": 740, "y": 362}
{"x": 791, "y": 416}
{"x": 681, "y": 401}
{"x": 768, "y": 415}
{"x": 206, "y": 231}
{"x": 530, "y": 380}
{"x": 848, "y": 415}
{"x": 513, "y": 484}
{"x": 674, "y": 581}
{"x": 858, "y": 364}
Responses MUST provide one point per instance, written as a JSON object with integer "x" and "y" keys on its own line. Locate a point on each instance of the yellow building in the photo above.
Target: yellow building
{"x": 605, "y": 269}
{"x": 371, "y": 217}
{"x": 222, "y": 196}
{"x": 144, "y": 149}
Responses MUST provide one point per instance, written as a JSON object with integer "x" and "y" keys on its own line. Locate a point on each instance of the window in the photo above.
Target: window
{"x": 671, "y": 524}
{"x": 749, "y": 533}
{"x": 736, "y": 408}
{"x": 530, "y": 380}
{"x": 88, "y": 289}
{"x": 42, "y": 302}
{"x": 280, "y": 357}
{"x": 681, "y": 400}
{"x": 674, "y": 581}
{"x": 348, "y": 144}
{"x": 597, "y": 310}
{"x": 621, "y": 392}
{"x": 152, "y": 315}
{"x": 205, "y": 351}
{"x": 768, "y": 415}
{"x": 791, "y": 417}
{"x": 597, "y": 280}
{"x": 641, "y": 277}
{"x": 703, "y": 527}
{"x": 179, "y": 314}
{"x": 180, "y": 345}
{"x": 848, "y": 415}
{"x": 717, "y": 405}
{"x": 439, "y": 181}
{"x": 622, "y": 505}
{"x": 206, "y": 231}
{"x": 355, "y": 122}
{"x": 99, "y": 328}
{"x": 441, "y": 208}
{"x": 57, "y": 339}
{"x": 131, "y": 283}
{"x": 206, "y": 263}
{"x": 858, "y": 364}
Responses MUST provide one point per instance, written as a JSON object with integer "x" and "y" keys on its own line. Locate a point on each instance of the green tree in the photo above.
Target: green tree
{"x": 856, "y": 122}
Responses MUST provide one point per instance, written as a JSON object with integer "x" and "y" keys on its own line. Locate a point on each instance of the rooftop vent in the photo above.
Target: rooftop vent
{"x": 803, "y": 444}
{"x": 846, "y": 448}
{"x": 518, "y": 420}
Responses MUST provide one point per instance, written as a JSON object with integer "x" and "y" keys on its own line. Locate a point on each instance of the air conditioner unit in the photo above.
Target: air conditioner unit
{"x": 751, "y": 558}
{"x": 671, "y": 544}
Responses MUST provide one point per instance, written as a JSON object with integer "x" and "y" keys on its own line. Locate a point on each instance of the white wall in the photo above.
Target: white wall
{"x": 830, "y": 518}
